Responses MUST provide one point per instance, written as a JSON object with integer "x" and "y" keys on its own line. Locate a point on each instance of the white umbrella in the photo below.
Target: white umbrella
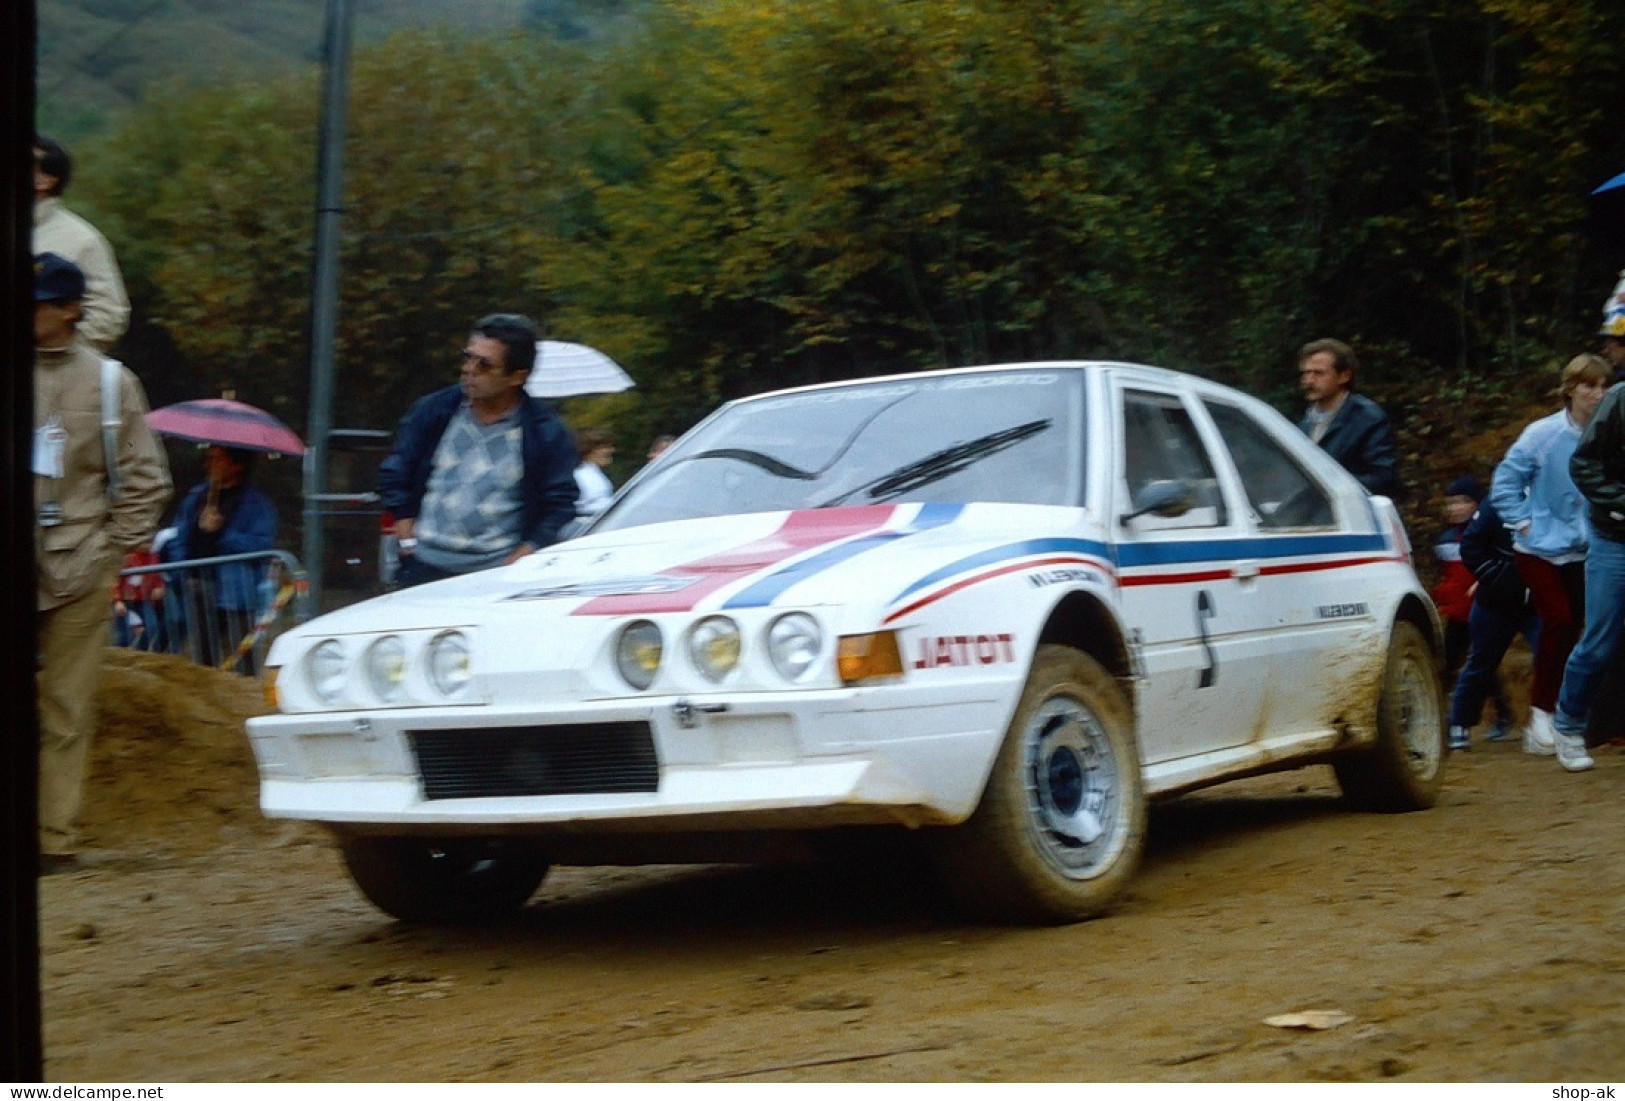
{"x": 564, "y": 370}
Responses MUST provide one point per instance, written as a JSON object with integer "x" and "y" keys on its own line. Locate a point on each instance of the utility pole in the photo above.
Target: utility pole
{"x": 324, "y": 295}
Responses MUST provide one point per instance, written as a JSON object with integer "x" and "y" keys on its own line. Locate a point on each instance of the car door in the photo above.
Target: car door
{"x": 1306, "y": 574}
{"x": 1193, "y": 612}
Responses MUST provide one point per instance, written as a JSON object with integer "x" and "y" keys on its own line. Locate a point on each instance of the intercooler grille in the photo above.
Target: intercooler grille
{"x": 597, "y": 759}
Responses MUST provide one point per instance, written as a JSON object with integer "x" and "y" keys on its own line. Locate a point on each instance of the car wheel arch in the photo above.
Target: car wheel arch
{"x": 1084, "y": 622}
{"x": 1081, "y": 621}
{"x": 1416, "y": 610}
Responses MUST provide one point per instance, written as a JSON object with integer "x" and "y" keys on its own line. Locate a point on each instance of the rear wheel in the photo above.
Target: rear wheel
{"x": 443, "y": 881}
{"x": 1404, "y": 769}
{"x": 1062, "y": 821}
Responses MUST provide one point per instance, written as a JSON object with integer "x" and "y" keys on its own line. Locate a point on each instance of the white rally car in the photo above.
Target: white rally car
{"x": 1003, "y": 607}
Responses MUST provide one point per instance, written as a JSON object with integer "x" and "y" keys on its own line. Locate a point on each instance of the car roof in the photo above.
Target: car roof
{"x": 1162, "y": 375}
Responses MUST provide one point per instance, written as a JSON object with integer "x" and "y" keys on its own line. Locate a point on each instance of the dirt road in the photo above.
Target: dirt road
{"x": 1483, "y": 940}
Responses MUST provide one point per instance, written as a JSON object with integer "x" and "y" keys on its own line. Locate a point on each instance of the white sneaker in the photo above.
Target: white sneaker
{"x": 1571, "y": 752}
{"x": 1538, "y": 736}
{"x": 1460, "y": 738}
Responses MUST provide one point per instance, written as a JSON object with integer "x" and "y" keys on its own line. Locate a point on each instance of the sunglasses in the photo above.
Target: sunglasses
{"x": 480, "y": 362}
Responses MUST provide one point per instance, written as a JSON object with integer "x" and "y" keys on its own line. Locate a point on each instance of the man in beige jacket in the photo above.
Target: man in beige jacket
{"x": 57, "y": 229}
{"x": 84, "y": 524}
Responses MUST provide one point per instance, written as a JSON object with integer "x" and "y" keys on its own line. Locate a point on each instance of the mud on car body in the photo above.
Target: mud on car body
{"x": 997, "y": 610}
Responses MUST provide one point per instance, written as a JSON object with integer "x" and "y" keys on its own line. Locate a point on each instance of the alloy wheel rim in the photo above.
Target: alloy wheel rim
{"x": 1074, "y": 791}
{"x": 1419, "y": 718}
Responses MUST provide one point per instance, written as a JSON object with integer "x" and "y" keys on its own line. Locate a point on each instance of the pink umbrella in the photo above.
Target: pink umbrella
{"x": 226, "y": 423}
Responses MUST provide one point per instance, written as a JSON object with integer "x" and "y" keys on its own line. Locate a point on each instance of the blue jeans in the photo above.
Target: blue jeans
{"x": 1605, "y": 622}
{"x": 1490, "y": 633}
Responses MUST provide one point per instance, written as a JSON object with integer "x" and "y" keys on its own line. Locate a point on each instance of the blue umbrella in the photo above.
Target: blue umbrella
{"x": 1605, "y": 218}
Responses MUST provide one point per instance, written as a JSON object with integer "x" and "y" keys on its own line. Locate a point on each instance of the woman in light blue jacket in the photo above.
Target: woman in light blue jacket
{"x": 1538, "y": 500}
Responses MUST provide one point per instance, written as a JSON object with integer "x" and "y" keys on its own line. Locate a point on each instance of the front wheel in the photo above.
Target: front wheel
{"x": 443, "y": 881}
{"x": 1404, "y": 769}
{"x": 1062, "y": 822}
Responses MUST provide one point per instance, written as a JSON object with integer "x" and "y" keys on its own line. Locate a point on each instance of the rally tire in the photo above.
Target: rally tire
{"x": 443, "y": 881}
{"x": 1061, "y": 823}
{"x": 1403, "y": 770}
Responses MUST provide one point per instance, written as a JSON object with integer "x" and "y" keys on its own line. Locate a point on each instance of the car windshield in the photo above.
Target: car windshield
{"x": 1006, "y": 436}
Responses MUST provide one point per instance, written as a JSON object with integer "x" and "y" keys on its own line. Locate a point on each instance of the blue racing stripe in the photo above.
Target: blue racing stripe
{"x": 764, "y": 592}
{"x": 1229, "y": 550}
{"x": 1027, "y": 548}
{"x": 1131, "y": 555}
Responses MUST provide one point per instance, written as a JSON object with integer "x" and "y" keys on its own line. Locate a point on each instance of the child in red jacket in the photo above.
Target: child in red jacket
{"x": 1453, "y": 595}
{"x": 137, "y": 600}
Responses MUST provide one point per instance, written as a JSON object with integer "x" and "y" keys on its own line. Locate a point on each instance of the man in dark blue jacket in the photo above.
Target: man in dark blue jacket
{"x": 482, "y": 473}
{"x": 1349, "y": 427}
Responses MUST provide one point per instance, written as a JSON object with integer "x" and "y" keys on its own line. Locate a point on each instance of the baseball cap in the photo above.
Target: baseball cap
{"x": 1466, "y": 486}
{"x": 57, "y": 279}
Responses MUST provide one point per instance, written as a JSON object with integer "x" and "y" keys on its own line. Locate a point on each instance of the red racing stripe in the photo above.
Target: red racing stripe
{"x": 1136, "y": 580}
{"x": 1340, "y": 564}
{"x": 1000, "y": 571}
{"x": 800, "y": 532}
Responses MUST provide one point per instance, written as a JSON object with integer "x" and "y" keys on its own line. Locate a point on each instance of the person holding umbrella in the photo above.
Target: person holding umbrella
{"x": 225, "y": 515}
{"x": 98, "y": 492}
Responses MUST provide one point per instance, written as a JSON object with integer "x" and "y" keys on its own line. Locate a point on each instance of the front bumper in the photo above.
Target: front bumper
{"x": 772, "y": 760}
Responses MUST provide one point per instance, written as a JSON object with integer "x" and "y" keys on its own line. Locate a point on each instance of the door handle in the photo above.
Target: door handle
{"x": 1244, "y": 571}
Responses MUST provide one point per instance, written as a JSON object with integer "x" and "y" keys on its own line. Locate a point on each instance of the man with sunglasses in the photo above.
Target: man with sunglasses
{"x": 482, "y": 473}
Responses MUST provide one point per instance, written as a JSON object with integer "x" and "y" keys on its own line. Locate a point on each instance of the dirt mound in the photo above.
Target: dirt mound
{"x": 171, "y": 768}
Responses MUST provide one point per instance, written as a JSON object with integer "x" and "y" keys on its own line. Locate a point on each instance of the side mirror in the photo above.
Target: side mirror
{"x": 1168, "y": 498}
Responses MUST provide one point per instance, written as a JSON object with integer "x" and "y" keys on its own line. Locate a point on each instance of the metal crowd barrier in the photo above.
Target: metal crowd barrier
{"x": 189, "y": 619}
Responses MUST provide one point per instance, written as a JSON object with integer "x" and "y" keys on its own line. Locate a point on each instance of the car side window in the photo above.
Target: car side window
{"x": 1281, "y": 492}
{"x": 1161, "y": 444}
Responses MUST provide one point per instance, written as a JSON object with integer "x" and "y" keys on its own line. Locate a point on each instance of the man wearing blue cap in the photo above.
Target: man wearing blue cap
{"x": 100, "y": 483}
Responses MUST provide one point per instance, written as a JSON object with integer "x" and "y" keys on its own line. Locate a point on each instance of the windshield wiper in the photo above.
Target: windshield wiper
{"x": 940, "y": 464}
{"x": 755, "y": 458}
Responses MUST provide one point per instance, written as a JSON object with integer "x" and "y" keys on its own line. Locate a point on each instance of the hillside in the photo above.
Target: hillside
{"x": 98, "y": 57}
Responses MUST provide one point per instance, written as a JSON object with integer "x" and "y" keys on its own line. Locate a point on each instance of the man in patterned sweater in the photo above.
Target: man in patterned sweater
{"x": 482, "y": 473}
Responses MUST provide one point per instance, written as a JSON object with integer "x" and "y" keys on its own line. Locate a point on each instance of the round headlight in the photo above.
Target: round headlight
{"x": 449, "y": 665}
{"x": 638, "y": 652}
{"x": 794, "y": 642}
{"x": 325, "y": 667}
{"x": 713, "y": 646}
{"x": 386, "y": 668}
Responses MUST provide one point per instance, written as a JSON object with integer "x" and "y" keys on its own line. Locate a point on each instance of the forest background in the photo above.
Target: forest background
{"x": 729, "y": 196}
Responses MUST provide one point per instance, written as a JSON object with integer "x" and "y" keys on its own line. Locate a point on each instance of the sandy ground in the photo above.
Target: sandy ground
{"x": 1483, "y": 940}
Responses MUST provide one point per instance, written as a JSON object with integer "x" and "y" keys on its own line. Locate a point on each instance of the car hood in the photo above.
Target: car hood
{"x": 874, "y": 556}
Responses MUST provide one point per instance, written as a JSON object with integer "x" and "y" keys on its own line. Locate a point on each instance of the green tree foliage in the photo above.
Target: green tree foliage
{"x": 460, "y": 152}
{"x": 750, "y": 193}
{"x": 887, "y": 186}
